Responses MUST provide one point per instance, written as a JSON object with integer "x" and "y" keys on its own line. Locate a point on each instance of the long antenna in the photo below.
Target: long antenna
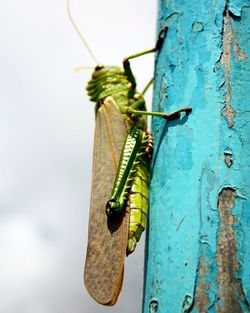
{"x": 80, "y": 34}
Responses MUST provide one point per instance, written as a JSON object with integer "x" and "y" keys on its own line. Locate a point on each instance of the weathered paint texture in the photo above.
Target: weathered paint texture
{"x": 229, "y": 284}
{"x": 198, "y": 238}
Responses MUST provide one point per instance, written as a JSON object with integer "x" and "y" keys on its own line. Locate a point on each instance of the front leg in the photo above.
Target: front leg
{"x": 126, "y": 63}
{"x": 167, "y": 116}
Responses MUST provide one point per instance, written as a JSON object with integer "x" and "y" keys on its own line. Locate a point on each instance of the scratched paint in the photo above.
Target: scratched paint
{"x": 198, "y": 251}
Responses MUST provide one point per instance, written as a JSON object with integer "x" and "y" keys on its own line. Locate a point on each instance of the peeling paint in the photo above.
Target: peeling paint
{"x": 153, "y": 306}
{"x": 236, "y": 6}
{"x": 228, "y": 157}
{"x": 228, "y": 112}
{"x": 229, "y": 39}
{"x": 187, "y": 303}
{"x": 201, "y": 293}
{"x": 172, "y": 17}
{"x": 197, "y": 27}
{"x": 230, "y": 286}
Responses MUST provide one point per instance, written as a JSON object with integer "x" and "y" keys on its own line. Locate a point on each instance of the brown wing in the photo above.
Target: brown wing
{"x": 107, "y": 239}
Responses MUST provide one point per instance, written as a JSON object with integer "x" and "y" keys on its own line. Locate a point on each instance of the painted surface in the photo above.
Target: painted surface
{"x": 198, "y": 251}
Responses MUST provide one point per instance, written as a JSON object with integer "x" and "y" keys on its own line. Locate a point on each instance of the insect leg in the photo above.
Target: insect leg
{"x": 126, "y": 63}
{"x": 147, "y": 86}
{"x": 125, "y": 171}
{"x": 157, "y": 46}
{"x": 176, "y": 114}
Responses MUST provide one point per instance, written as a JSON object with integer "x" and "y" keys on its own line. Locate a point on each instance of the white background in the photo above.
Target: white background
{"x": 46, "y": 135}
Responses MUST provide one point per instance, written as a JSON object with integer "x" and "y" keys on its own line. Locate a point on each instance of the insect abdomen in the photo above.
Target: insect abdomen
{"x": 138, "y": 203}
{"x": 138, "y": 196}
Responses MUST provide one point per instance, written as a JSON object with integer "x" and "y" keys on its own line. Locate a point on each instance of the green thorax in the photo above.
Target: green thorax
{"x": 112, "y": 81}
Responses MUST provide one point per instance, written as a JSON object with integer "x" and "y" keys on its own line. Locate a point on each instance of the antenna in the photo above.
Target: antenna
{"x": 80, "y": 34}
{"x": 82, "y": 68}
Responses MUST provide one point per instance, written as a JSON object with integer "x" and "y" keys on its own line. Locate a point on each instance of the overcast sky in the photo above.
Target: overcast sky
{"x": 46, "y": 135}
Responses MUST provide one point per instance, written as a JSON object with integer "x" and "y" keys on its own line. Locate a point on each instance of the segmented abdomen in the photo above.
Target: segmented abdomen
{"x": 138, "y": 197}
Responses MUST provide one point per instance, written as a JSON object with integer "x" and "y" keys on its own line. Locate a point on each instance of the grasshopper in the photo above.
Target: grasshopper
{"x": 120, "y": 177}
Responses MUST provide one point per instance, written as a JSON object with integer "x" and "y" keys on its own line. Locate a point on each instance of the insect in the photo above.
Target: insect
{"x": 120, "y": 176}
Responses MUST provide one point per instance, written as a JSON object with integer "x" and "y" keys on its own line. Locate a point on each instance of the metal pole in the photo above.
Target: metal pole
{"x": 198, "y": 241}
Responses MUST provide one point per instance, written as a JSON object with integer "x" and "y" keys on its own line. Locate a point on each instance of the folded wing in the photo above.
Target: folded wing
{"x": 107, "y": 238}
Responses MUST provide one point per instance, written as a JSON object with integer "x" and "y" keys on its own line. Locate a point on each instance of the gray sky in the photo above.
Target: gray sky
{"x": 46, "y": 134}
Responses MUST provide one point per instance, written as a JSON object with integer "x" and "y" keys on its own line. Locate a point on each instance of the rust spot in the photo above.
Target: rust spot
{"x": 201, "y": 301}
{"x": 228, "y": 111}
{"x": 229, "y": 285}
{"x": 229, "y": 39}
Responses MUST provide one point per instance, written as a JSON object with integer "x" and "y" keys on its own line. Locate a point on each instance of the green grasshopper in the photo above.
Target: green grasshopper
{"x": 120, "y": 177}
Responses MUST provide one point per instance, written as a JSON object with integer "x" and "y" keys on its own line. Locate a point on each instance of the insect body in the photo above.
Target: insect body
{"x": 130, "y": 189}
{"x": 121, "y": 142}
{"x": 118, "y": 211}
{"x": 120, "y": 176}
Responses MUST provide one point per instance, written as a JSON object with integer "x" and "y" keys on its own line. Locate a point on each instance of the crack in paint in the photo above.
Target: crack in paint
{"x": 229, "y": 39}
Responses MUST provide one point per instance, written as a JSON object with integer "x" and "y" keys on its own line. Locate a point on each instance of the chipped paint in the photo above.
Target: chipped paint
{"x": 236, "y": 6}
{"x": 201, "y": 295}
{"x": 228, "y": 112}
{"x": 187, "y": 304}
{"x": 198, "y": 251}
{"x": 228, "y": 157}
{"x": 197, "y": 27}
{"x": 229, "y": 40}
{"x": 229, "y": 285}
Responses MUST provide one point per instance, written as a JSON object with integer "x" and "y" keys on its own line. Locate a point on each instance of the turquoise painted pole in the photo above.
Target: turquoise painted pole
{"x": 198, "y": 241}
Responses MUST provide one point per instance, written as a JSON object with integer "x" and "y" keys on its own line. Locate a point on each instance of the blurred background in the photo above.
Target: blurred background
{"x": 46, "y": 135}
